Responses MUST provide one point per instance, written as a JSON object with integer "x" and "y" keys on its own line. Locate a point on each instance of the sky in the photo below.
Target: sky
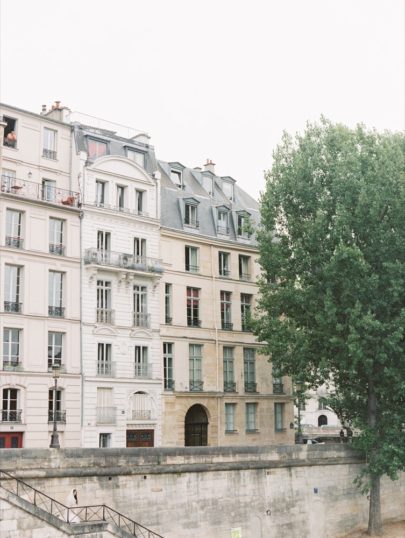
{"x": 217, "y": 79}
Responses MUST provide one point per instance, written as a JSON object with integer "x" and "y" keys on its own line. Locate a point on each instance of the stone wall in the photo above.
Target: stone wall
{"x": 266, "y": 492}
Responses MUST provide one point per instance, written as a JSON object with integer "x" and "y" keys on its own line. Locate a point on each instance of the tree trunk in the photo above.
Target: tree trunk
{"x": 374, "y": 518}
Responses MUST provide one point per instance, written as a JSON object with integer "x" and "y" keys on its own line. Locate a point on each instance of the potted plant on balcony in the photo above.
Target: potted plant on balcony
{"x": 69, "y": 200}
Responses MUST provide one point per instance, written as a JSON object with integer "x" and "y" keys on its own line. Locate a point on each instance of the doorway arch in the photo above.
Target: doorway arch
{"x": 322, "y": 420}
{"x": 196, "y": 426}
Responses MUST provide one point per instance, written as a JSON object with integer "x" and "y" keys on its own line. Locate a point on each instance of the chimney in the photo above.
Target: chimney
{"x": 56, "y": 112}
{"x": 43, "y": 111}
{"x": 209, "y": 166}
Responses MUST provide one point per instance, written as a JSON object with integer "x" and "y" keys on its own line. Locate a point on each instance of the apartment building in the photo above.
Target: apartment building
{"x": 39, "y": 282}
{"x": 218, "y": 388}
{"x": 121, "y": 270}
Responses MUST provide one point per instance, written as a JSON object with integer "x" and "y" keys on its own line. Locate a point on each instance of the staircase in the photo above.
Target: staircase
{"x": 79, "y": 520}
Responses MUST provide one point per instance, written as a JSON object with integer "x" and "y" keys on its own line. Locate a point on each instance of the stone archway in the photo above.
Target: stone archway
{"x": 322, "y": 420}
{"x": 196, "y": 426}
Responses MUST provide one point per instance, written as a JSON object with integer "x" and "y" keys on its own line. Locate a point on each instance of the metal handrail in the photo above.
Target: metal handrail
{"x": 78, "y": 514}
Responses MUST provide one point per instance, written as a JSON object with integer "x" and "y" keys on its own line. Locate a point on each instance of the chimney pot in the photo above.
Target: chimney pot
{"x": 209, "y": 166}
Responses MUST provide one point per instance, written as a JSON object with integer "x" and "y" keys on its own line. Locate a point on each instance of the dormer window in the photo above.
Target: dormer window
{"x": 223, "y": 227}
{"x": 228, "y": 188}
{"x": 190, "y": 215}
{"x": 244, "y": 225}
{"x": 96, "y": 148}
{"x": 137, "y": 156}
{"x": 176, "y": 177}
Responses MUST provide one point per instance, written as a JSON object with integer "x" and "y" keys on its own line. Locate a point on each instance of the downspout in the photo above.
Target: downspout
{"x": 214, "y": 317}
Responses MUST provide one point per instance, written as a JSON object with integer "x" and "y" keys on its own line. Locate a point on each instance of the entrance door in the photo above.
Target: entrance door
{"x": 196, "y": 426}
{"x": 140, "y": 438}
{"x": 11, "y": 440}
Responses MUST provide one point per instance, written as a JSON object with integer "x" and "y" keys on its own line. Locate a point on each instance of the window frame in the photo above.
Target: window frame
{"x": 195, "y": 356}
{"x": 168, "y": 365}
{"x": 193, "y": 306}
{"x": 251, "y": 416}
{"x": 189, "y": 253}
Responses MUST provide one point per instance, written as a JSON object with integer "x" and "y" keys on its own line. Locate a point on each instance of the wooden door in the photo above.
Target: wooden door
{"x": 140, "y": 438}
{"x": 11, "y": 440}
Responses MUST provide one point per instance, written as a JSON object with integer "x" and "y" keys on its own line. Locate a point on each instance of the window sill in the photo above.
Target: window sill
{"x": 231, "y": 432}
{"x": 252, "y": 431}
{"x": 281, "y": 430}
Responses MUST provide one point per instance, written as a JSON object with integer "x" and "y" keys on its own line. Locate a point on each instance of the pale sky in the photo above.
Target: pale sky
{"x": 209, "y": 79}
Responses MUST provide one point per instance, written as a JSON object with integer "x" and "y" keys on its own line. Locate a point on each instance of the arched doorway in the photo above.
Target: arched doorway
{"x": 322, "y": 420}
{"x": 196, "y": 426}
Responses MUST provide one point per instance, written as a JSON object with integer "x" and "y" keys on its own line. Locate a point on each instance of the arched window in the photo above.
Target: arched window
{"x": 196, "y": 426}
{"x": 322, "y": 420}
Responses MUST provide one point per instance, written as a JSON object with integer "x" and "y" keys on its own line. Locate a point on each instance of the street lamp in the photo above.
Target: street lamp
{"x": 55, "y": 435}
{"x": 298, "y": 392}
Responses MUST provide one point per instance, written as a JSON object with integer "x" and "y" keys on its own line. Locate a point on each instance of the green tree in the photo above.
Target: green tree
{"x": 332, "y": 296}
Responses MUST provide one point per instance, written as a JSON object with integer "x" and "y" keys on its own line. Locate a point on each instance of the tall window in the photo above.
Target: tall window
{"x": 55, "y": 406}
{"x": 279, "y": 417}
{"x": 168, "y": 304}
{"x": 137, "y": 156}
{"x": 249, "y": 367}
{"x": 251, "y": 417}
{"x": 229, "y": 370}
{"x": 190, "y": 215}
{"x": 141, "y": 362}
{"x": 223, "y": 264}
{"x": 244, "y": 267}
{"x": 49, "y": 149}
{"x": 278, "y": 387}
{"x": 55, "y": 349}
{"x": 14, "y": 228}
{"x": 100, "y": 193}
{"x": 193, "y": 307}
{"x": 139, "y": 249}
{"x": 48, "y": 190}
{"x": 141, "y": 316}
{"x": 168, "y": 366}
{"x": 56, "y": 236}
{"x": 8, "y": 178}
{"x": 104, "y": 364}
{"x": 176, "y": 177}
{"x": 104, "y": 440}
{"x": 10, "y": 134}
{"x": 226, "y": 309}
{"x": 244, "y": 225}
{"x": 245, "y": 311}
{"x": 96, "y": 149}
{"x": 191, "y": 256}
{"x": 106, "y": 413}
{"x": 103, "y": 247}
{"x": 104, "y": 312}
{"x": 140, "y": 205}
{"x": 230, "y": 409}
{"x": 11, "y": 348}
{"x": 195, "y": 367}
{"x": 10, "y": 409}
{"x": 120, "y": 197}
{"x": 223, "y": 222}
{"x": 55, "y": 298}
{"x": 12, "y": 288}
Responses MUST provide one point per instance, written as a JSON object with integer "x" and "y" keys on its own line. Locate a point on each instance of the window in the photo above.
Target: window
{"x": 55, "y": 406}
{"x": 49, "y": 149}
{"x": 251, "y": 417}
{"x": 249, "y": 367}
{"x": 56, "y": 236}
{"x": 104, "y": 364}
{"x": 141, "y": 316}
{"x": 14, "y": 228}
{"x": 229, "y": 370}
{"x": 120, "y": 197}
{"x": 96, "y": 149}
{"x": 104, "y": 440}
{"x": 322, "y": 420}
{"x": 226, "y": 308}
{"x": 139, "y": 249}
{"x": 55, "y": 304}
{"x": 10, "y": 408}
{"x": 136, "y": 156}
{"x": 228, "y": 189}
{"x": 195, "y": 367}
{"x": 279, "y": 417}
{"x": 322, "y": 404}
{"x": 10, "y": 136}
{"x": 191, "y": 255}
{"x": 168, "y": 366}
{"x": 278, "y": 387}
{"x": 140, "y": 202}
{"x": 245, "y": 311}
{"x": 12, "y": 288}
{"x": 190, "y": 215}
{"x": 103, "y": 246}
{"x": 104, "y": 312}
{"x": 141, "y": 362}
{"x": 48, "y": 190}
{"x": 244, "y": 267}
{"x": 230, "y": 409}
{"x": 8, "y": 180}
{"x": 11, "y": 348}
{"x": 223, "y": 264}
{"x": 106, "y": 413}
{"x": 100, "y": 193}
{"x": 176, "y": 177}
{"x": 244, "y": 225}
{"x": 223, "y": 227}
{"x": 193, "y": 307}
{"x": 55, "y": 349}
{"x": 168, "y": 304}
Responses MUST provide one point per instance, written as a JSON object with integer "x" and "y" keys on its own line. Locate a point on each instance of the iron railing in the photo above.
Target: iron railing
{"x": 224, "y": 230}
{"x": 278, "y": 388}
{"x": 141, "y": 320}
{"x": 13, "y": 365}
{"x": 121, "y": 209}
{"x": 78, "y": 514}
{"x": 143, "y": 370}
{"x": 37, "y": 191}
{"x": 11, "y": 306}
{"x": 106, "y": 369}
{"x": 224, "y": 273}
{"x": 56, "y": 248}
{"x": 8, "y": 415}
{"x": 56, "y": 311}
{"x": 196, "y": 385}
{"x": 105, "y": 315}
{"x": 169, "y": 384}
{"x": 226, "y": 326}
{"x": 250, "y": 386}
{"x": 244, "y": 276}
{"x": 15, "y": 242}
{"x": 229, "y": 386}
{"x": 122, "y": 260}
{"x": 193, "y": 322}
{"x": 141, "y": 414}
{"x": 49, "y": 153}
{"x": 58, "y": 416}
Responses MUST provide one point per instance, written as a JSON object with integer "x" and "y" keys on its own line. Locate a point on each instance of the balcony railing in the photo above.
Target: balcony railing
{"x": 244, "y": 276}
{"x": 59, "y": 416}
{"x": 106, "y": 415}
{"x": 121, "y": 209}
{"x": 226, "y": 326}
{"x": 229, "y": 386}
{"x": 224, "y": 230}
{"x": 196, "y": 385}
{"x": 106, "y": 369}
{"x": 56, "y": 311}
{"x": 15, "y": 242}
{"x": 247, "y": 323}
{"x": 37, "y": 191}
{"x": 141, "y": 414}
{"x": 10, "y": 306}
{"x": 11, "y": 416}
{"x": 56, "y": 362}
{"x": 168, "y": 320}
{"x": 56, "y": 248}
{"x": 141, "y": 320}
{"x": 192, "y": 268}
{"x": 49, "y": 153}
{"x": 105, "y": 315}
{"x": 224, "y": 273}
{"x": 122, "y": 260}
{"x": 278, "y": 388}
{"x": 192, "y": 223}
{"x": 13, "y": 365}
{"x": 143, "y": 371}
{"x": 169, "y": 384}
{"x": 193, "y": 322}
{"x": 250, "y": 386}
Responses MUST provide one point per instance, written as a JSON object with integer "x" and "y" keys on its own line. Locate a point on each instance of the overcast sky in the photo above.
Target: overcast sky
{"x": 209, "y": 79}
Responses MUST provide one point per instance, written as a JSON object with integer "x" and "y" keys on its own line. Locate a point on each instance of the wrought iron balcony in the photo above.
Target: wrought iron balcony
{"x": 226, "y": 326}
{"x": 59, "y": 416}
{"x": 250, "y": 386}
{"x": 192, "y": 268}
{"x": 192, "y": 223}
{"x": 105, "y": 315}
{"x": 11, "y": 416}
{"x": 49, "y": 154}
{"x": 122, "y": 260}
{"x": 120, "y": 209}
{"x": 278, "y": 388}
{"x": 13, "y": 365}
{"x": 56, "y": 362}
{"x": 15, "y": 242}
{"x": 143, "y": 371}
{"x": 10, "y": 306}
{"x": 37, "y": 191}
{"x": 56, "y": 248}
{"x": 56, "y": 311}
{"x": 141, "y": 320}
{"x": 244, "y": 276}
{"x": 193, "y": 322}
{"x": 229, "y": 386}
{"x": 106, "y": 415}
{"x": 224, "y": 273}
{"x": 247, "y": 323}
{"x": 168, "y": 320}
{"x": 141, "y": 414}
{"x": 169, "y": 384}
{"x": 106, "y": 369}
{"x": 196, "y": 385}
